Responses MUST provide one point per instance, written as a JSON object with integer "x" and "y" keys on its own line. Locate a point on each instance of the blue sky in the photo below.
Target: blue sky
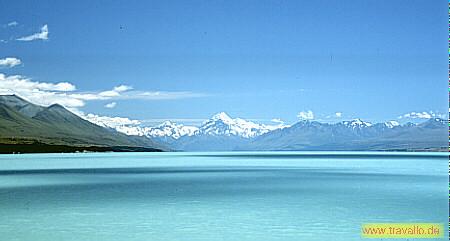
{"x": 257, "y": 60}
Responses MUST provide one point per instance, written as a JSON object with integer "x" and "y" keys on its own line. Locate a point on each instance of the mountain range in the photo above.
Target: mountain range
{"x": 356, "y": 135}
{"x": 26, "y": 127}
{"x": 223, "y": 133}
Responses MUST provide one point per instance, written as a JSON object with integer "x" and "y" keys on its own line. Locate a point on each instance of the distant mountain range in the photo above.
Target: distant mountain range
{"x": 355, "y": 135}
{"x": 26, "y": 127}
{"x": 223, "y": 133}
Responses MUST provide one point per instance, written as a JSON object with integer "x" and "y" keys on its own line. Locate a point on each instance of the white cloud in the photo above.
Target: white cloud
{"x": 9, "y": 62}
{"x": 109, "y": 93}
{"x": 111, "y": 105}
{"x": 415, "y": 115}
{"x": 161, "y": 95}
{"x": 116, "y": 91}
{"x": 17, "y": 82}
{"x": 63, "y": 86}
{"x": 280, "y": 124}
{"x": 65, "y": 93}
{"x": 421, "y": 115}
{"x": 122, "y": 88}
{"x": 184, "y": 120}
{"x": 338, "y": 114}
{"x": 42, "y": 93}
{"x": 306, "y": 115}
{"x": 42, "y": 35}
{"x": 12, "y": 24}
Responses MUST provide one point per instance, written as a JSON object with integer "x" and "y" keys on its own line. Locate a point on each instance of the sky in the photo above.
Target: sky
{"x": 258, "y": 60}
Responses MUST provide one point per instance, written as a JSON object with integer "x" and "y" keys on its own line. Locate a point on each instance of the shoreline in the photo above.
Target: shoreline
{"x": 46, "y": 148}
{"x": 35, "y": 148}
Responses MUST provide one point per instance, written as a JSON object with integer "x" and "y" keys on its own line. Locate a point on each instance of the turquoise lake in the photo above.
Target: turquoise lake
{"x": 217, "y": 196}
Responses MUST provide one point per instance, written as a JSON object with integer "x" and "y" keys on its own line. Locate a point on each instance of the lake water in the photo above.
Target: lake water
{"x": 217, "y": 196}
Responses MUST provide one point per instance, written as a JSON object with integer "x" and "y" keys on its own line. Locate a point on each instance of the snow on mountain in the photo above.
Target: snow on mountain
{"x": 357, "y": 123}
{"x": 106, "y": 121}
{"x": 212, "y": 134}
{"x": 131, "y": 130}
{"x": 170, "y": 129}
{"x": 219, "y": 125}
{"x": 120, "y": 124}
{"x": 433, "y": 122}
{"x": 223, "y": 125}
{"x": 391, "y": 124}
{"x": 134, "y": 128}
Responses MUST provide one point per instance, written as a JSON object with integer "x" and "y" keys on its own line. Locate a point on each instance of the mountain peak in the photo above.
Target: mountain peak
{"x": 167, "y": 123}
{"x": 13, "y": 98}
{"x": 222, "y": 124}
{"x": 56, "y": 106}
{"x": 391, "y": 124}
{"x": 10, "y": 96}
{"x": 434, "y": 122}
{"x": 21, "y": 105}
{"x": 439, "y": 119}
{"x": 56, "y": 126}
{"x": 221, "y": 116}
{"x": 357, "y": 123}
{"x": 169, "y": 129}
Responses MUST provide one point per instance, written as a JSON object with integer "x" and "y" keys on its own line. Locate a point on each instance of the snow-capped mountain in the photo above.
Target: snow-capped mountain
{"x": 357, "y": 123}
{"x": 391, "y": 124}
{"x": 354, "y": 135}
{"x": 165, "y": 129}
{"x": 223, "y": 125}
{"x": 170, "y": 129}
{"x": 120, "y": 124}
{"x": 131, "y": 130}
{"x": 223, "y": 133}
{"x": 219, "y": 125}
